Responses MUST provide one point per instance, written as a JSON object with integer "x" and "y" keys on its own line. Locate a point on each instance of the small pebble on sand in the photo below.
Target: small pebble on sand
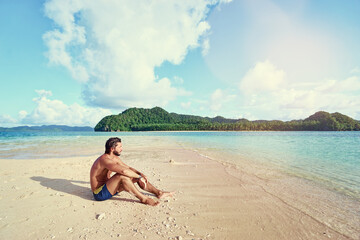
{"x": 100, "y": 216}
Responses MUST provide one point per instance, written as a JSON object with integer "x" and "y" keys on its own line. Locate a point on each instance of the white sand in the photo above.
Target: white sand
{"x": 51, "y": 199}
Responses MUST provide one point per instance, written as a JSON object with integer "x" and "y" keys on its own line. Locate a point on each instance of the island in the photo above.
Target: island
{"x": 47, "y": 128}
{"x": 158, "y": 119}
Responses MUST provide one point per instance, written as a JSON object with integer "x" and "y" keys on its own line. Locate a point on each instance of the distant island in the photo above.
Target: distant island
{"x": 157, "y": 119}
{"x": 47, "y": 128}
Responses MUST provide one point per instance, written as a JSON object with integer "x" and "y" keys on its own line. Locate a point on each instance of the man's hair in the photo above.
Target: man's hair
{"x": 111, "y": 143}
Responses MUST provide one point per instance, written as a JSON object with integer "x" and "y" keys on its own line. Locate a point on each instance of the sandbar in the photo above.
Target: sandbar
{"x": 51, "y": 199}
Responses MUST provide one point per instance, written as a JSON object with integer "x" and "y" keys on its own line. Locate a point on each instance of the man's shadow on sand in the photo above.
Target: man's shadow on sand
{"x": 68, "y": 186}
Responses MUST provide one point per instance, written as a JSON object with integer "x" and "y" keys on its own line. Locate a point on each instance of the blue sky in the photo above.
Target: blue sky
{"x": 73, "y": 61}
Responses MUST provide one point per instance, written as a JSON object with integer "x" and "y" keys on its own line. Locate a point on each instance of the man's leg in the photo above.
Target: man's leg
{"x": 118, "y": 183}
{"x": 150, "y": 188}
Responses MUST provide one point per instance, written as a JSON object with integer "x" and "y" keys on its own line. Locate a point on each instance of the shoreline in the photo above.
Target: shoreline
{"x": 49, "y": 198}
{"x": 308, "y": 179}
{"x": 269, "y": 178}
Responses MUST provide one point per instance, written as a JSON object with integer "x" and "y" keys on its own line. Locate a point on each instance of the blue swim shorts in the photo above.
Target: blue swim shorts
{"x": 102, "y": 193}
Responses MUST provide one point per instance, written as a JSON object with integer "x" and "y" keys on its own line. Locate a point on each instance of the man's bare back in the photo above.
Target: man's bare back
{"x": 104, "y": 186}
{"x": 98, "y": 173}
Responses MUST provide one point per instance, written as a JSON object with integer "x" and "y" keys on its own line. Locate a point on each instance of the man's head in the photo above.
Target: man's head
{"x": 112, "y": 144}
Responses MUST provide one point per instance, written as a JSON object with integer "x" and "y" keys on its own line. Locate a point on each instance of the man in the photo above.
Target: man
{"x": 104, "y": 186}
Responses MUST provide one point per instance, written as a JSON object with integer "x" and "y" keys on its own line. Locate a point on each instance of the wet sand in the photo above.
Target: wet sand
{"x": 51, "y": 199}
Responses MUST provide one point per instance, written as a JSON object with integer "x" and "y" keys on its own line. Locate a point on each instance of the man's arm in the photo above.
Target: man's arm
{"x": 140, "y": 173}
{"x": 109, "y": 174}
{"x": 136, "y": 171}
{"x": 127, "y": 166}
{"x": 120, "y": 168}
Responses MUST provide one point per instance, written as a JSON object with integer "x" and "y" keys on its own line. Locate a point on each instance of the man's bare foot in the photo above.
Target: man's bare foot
{"x": 151, "y": 202}
{"x": 165, "y": 194}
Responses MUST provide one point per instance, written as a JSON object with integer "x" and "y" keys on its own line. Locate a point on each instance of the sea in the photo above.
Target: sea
{"x": 330, "y": 159}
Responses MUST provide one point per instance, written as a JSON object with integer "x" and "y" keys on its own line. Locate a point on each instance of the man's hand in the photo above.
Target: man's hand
{"x": 143, "y": 175}
{"x": 109, "y": 175}
{"x": 142, "y": 179}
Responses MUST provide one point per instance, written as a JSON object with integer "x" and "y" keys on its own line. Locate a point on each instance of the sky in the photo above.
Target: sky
{"x": 73, "y": 62}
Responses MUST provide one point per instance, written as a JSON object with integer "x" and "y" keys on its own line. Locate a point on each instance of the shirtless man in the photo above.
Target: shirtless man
{"x": 104, "y": 186}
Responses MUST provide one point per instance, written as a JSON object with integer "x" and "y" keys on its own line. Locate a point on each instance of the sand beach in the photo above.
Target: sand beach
{"x": 51, "y": 199}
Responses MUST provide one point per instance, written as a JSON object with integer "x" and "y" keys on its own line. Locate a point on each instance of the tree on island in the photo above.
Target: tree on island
{"x": 157, "y": 119}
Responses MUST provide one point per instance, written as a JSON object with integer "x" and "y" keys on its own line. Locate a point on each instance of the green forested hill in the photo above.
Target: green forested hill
{"x": 157, "y": 119}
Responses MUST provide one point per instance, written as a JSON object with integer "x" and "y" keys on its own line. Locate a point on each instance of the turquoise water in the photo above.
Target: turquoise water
{"x": 329, "y": 158}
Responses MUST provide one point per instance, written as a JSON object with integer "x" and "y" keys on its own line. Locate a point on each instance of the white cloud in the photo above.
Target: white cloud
{"x": 185, "y": 105}
{"x": 48, "y": 112}
{"x": 58, "y": 42}
{"x": 262, "y": 78}
{"x": 206, "y": 47}
{"x": 350, "y": 84}
{"x": 268, "y": 93}
{"x": 219, "y": 98}
{"x": 216, "y": 98}
{"x": 114, "y": 46}
{"x": 43, "y": 93}
{"x": 7, "y": 119}
{"x": 355, "y": 70}
{"x": 178, "y": 80}
{"x": 22, "y": 115}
